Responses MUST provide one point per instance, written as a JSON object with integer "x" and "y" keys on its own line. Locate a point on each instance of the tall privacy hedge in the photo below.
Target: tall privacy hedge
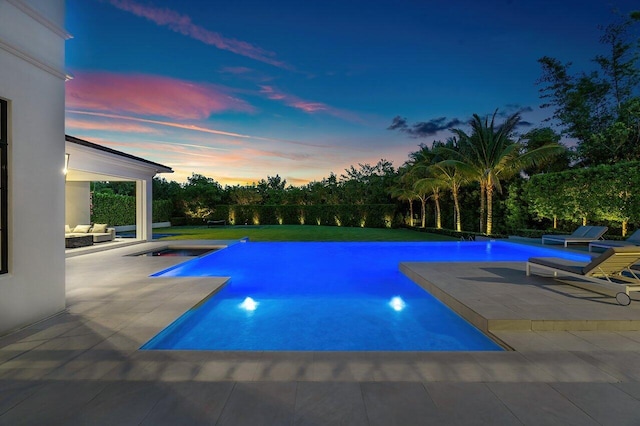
{"x": 117, "y": 210}
{"x": 121, "y": 210}
{"x": 607, "y": 193}
{"x": 113, "y": 209}
{"x": 365, "y": 215}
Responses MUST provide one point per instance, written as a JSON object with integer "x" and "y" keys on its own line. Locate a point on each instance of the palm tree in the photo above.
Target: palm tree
{"x": 453, "y": 178}
{"x": 404, "y": 193}
{"x": 410, "y": 173}
{"x": 425, "y": 186}
{"x": 489, "y": 155}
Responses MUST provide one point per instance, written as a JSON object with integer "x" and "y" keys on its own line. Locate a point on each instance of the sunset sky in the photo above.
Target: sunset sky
{"x": 241, "y": 90}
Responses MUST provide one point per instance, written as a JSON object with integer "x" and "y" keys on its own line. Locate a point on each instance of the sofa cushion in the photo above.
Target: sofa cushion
{"x": 81, "y": 229}
{"x": 67, "y": 229}
{"x": 99, "y": 228}
{"x": 102, "y": 237}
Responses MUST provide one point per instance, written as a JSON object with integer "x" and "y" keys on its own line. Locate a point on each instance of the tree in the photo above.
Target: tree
{"x": 415, "y": 169}
{"x": 168, "y": 190}
{"x": 599, "y": 109}
{"x": 244, "y": 195}
{"x": 201, "y": 194}
{"x": 324, "y": 192}
{"x": 432, "y": 186}
{"x": 452, "y": 178}
{"x": 489, "y": 155}
{"x": 367, "y": 184}
{"x": 539, "y": 137}
{"x": 423, "y": 181}
{"x": 403, "y": 191}
{"x": 165, "y": 190}
{"x": 115, "y": 187}
{"x": 272, "y": 190}
{"x": 451, "y": 175}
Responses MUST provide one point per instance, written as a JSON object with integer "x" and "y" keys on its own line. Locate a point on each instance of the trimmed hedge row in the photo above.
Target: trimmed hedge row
{"x": 113, "y": 209}
{"x": 120, "y": 210}
{"x": 365, "y": 215}
{"x": 117, "y": 210}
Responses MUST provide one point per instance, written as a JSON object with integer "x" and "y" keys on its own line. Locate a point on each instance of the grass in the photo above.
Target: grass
{"x": 296, "y": 233}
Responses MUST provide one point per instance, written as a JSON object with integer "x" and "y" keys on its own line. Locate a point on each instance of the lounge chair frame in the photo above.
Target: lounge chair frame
{"x": 603, "y": 275}
{"x": 584, "y": 235}
{"x": 632, "y": 240}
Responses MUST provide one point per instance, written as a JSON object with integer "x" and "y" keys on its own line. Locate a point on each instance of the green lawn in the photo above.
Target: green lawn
{"x": 296, "y": 233}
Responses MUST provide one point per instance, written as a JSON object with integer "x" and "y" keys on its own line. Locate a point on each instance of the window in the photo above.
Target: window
{"x": 4, "y": 136}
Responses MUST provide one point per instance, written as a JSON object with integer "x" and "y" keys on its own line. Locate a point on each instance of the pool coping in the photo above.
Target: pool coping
{"x": 535, "y": 303}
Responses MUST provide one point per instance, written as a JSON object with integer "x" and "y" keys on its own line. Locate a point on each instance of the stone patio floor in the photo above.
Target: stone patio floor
{"x": 575, "y": 358}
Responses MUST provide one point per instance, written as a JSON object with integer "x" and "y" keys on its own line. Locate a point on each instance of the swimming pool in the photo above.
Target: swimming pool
{"x": 329, "y": 297}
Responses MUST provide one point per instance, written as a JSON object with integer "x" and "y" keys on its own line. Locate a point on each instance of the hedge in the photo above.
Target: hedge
{"x": 365, "y": 215}
{"x": 119, "y": 210}
{"x": 113, "y": 209}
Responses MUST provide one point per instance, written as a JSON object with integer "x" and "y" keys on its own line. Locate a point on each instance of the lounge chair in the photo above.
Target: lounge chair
{"x": 609, "y": 274}
{"x": 633, "y": 240}
{"x": 584, "y": 234}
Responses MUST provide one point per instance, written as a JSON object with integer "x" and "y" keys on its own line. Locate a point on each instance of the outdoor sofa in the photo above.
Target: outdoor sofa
{"x": 633, "y": 240}
{"x": 98, "y": 231}
{"x": 610, "y": 274}
{"x": 584, "y": 234}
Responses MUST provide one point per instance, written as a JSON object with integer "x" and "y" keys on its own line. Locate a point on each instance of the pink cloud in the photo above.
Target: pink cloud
{"x": 193, "y": 128}
{"x": 162, "y": 123}
{"x": 309, "y": 107}
{"x": 182, "y": 24}
{"x": 110, "y": 126}
{"x": 148, "y": 95}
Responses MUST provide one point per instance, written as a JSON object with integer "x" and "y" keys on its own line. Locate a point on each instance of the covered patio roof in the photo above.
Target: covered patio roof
{"x": 88, "y": 162}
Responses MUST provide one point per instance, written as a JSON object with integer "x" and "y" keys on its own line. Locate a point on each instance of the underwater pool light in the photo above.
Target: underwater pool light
{"x": 249, "y": 304}
{"x": 397, "y": 303}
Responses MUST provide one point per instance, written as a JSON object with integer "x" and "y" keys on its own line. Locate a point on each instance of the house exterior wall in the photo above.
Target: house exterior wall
{"x": 32, "y": 81}
{"x": 78, "y": 203}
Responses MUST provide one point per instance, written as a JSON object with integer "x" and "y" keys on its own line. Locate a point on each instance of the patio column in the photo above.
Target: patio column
{"x": 144, "y": 210}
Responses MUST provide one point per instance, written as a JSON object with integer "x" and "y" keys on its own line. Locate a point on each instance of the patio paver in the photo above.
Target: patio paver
{"x": 83, "y": 366}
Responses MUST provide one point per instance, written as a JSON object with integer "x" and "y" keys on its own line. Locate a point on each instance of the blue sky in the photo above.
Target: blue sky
{"x": 244, "y": 89}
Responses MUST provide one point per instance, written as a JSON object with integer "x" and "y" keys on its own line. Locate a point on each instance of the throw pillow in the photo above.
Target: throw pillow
{"x": 99, "y": 228}
{"x": 67, "y": 229}
{"x": 81, "y": 229}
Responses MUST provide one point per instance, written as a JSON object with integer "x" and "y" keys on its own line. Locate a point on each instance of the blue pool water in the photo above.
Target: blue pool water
{"x": 329, "y": 296}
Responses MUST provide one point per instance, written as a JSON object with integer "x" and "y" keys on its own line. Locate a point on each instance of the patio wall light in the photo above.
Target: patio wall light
{"x": 66, "y": 164}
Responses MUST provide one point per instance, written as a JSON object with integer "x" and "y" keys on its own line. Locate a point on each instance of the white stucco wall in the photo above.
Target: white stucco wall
{"x": 78, "y": 203}
{"x": 32, "y": 80}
